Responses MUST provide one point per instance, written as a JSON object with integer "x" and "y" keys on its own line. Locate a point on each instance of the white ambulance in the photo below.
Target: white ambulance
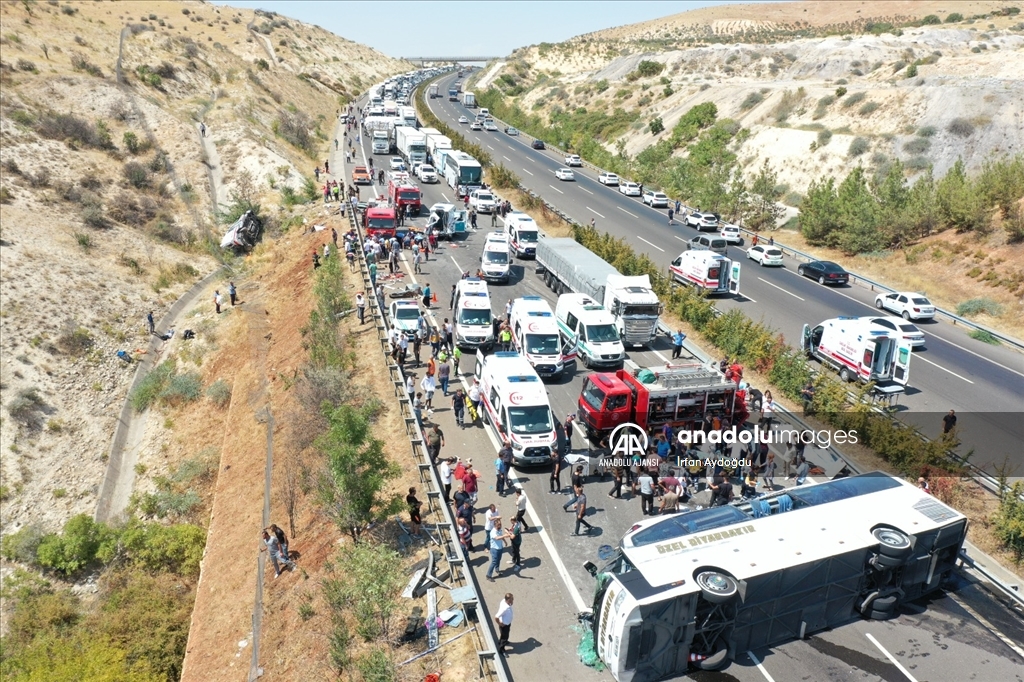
{"x": 585, "y": 325}
{"x": 535, "y": 336}
{"x": 708, "y": 271}
{"x": 473, "y": 323}
{"x": 859, "y": 350}
{"x": 496, "y": 260}
{"x": 522, "y": 232}
{"x": 514, "y": 401}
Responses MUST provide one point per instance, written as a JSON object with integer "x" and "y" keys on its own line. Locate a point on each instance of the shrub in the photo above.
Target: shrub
{"x": 751, "y": 101}
{"x": 6, "y": 196}
{"x": 954, "y": 17}
{"x": 978, "y": 306}
{"x": 858, "y": 146}
{"x": 80, "y": 63}
{"x": 41, "y": 178}
{"x": 182, "y": 388}
{"x": 219, "y": 393}
{"x": 262, "y": 64}
{"x": 868, "y": 108}
{"x": 984, "y": 337}
{"x": 854, "y": 99}
{"x": 502, "y": 177}
{"x": 911, "y": 71}
{"x": 151, "y": 386}
{"x": 656, "y": 126}
{"x": 840, "y": 93}
{"x": 156, "y": 547}
{"x": 136, "y": 174}
{"x": 76, "y": 547}
{"x": 75, "y": 340}
{"x": 131, "y": 142}
{"x": 918, "y": 163}
{"x": 295, "y": 129}
{"x": 918, "y": 145}
{"x": 926, "y": 131}
{"x": 23, "y": 544}
{"x": 132, "y": 209}
{"x": 1009, "y": 521}
{"x": 26, "y": 65}
{"x": 960, "y": 127}
{"x": 824, "y": 137}
{"x": 26, "y": 407}
{"x": 931, "y": 19}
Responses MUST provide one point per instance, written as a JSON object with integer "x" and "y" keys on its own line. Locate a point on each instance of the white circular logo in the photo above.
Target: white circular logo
{"x": 628, "y": 440}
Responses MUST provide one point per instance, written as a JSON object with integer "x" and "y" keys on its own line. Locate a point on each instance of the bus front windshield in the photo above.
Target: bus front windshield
{"x": 536, "y": 419}
{"x": 474, "y": 317}
{"x": 542, "y": 344}
{"x": 602, "y": 333}
{"x": 470, "y": 175}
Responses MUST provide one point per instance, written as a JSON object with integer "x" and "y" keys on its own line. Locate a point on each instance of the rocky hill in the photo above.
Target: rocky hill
{"x": 822, "y": 87}
{"x": 107, "y": 208}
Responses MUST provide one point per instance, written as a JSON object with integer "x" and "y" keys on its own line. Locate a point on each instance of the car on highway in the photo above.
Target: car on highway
{"x": 405, "y": 315}
{"x": 765, "y": 255}
{"x": 630, "y": 189}
{"x": 608, "y": 179}
{"x": 731, "y": 234}
{"x": 490, "y": 127}
{"x": 910, "y": 305}
{"x": 655, "y": 199}
{"x": 397, "y": 164}
{"x": 463, "y": 119}
{"x": 483, "y": 201}
{"x": 426, "y": 173}
{"x": 708, "y": 242}
{"x": 476, "y": 125}
{"x": 573, "y": 160}
{"x": 702, "y": 221}
{"x": 537, "y": 144}
{"x": 509, "y": 130}
{"x": 825, "y": 271}
{"x": 565, "y": 174}
{"x": 361, "y": 176}
{"x": 909, "y": 332}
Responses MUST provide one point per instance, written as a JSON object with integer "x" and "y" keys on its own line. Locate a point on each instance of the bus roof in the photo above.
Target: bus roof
{"x": 826, "y": 519}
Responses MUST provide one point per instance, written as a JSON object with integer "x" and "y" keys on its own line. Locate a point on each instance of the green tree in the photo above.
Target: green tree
{"x": 75, "y": 547}
{"x": 321, "y": 335}
{"x": 819, "y": 211}
{"x": 858, "y": 215}
{"x": 960, "y": 205}
{"x": 764, "y": 210}
{"x": 352, "y": 490}
{"x": 893, "y": 195}
{"x": 366, "y": 578}
{"x": 656, "y": 126}
{"x": 1009, "y": 521}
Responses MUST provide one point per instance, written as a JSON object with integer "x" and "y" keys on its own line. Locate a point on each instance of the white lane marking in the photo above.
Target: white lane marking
{"x": 780, "y": 288}
{"x": 594, "y": 212}
{"x": 924, "y": 359}
{"x": 446, "y": 197}
{"x": 490, "y": 147}
{"x": 685, "y": 241}
{"x": 456, "y": 262}
{"x": 506, "y": 158}
{"x": 751, "y": 656}
{"x": 978, "y": 617}
{"x": 627, "y": 212}
{"x": 526, "y": 171}
{"x": 892, "y": 659}
{"x": 586, "y": 190}
{"x": 654, "y": 245}
{"x": 556, "y": 189}
{"x": 662, "y": 356}
{"x": 531, "y": 160}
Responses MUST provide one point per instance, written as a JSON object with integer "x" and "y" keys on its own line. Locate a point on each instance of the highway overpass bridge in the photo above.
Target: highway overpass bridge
{"x": 448, "y": 60}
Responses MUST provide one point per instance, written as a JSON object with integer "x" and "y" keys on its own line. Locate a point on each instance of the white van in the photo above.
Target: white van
{"x": 585, "y": 325}
{"x": 473, "y": 320}
{"x": 496, "y": 259}
{"x": 515, "y": 403}
{"x": 522, "y": 233}
{"x": 859, "y": 350}
{"x": 535, "y": 335}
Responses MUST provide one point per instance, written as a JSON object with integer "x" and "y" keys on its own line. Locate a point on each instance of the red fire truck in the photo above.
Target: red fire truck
{"x": 379, "y": 221}
{"x": 401, "y": 192}
{"x": 681, "y": 395}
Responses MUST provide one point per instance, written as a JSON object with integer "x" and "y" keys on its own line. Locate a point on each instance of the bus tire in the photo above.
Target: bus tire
{"x": 719, "y": 659}
{"x": 888, "y": 603}
{"x": 882, "y": 562}
{"x": 717, "y": 587}
{"x": 881, "y": 614}
{"x": 893, "y": 543}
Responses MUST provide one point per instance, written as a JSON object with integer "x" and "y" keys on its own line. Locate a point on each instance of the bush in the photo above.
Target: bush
{"x": 80, "y": 63}
{"x": 859, "y": 146}
{"x": 918, "y": 163}
{"x": 26, "y": 65}
{"x": 156, "y": 547}
{"x": 954, "y": 17}
{"x": 824, "y": 137}
{"x": 93, "y": 216}
{"x": 978, "y": 306}
{"x": 1009, "y": 522}
{"x": 868, "y": 108}
{"x": 854, "y": 99}
{"x": 918, "y": 145}
{"x": 377, "y": 666}
{"x": 656, "y": 126}
{"x": 150, "y": 387}
{"x": 926, "y": 131}
{"x": 132, "y": 209}
{"x": 131, "y": 142}
{"x": 136, "y": 174}
{"x": 295, "y": 129}
{"x": 26, "y": 407}
{"x": 41, "y": 178}
{"x": 502, "y": 177}
{"x": 76, "y": 547}
{"x": 960, "y": 127}
{"x": 182, "y": 388}
{"x": 751, "y": 101}
{"x": 931, "y": 20}
{"x": 23, "y": 544}
{"x": 219, "y": 393}
{"x": 75, "y": 340}
{"x": 840, "y": 93}
{"x": 911, "y": 71}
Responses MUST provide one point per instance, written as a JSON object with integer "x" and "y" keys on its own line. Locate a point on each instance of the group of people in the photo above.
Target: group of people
{"x": 275, "y": 542}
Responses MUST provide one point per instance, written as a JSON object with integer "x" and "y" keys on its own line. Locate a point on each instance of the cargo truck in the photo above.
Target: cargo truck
{"x": 432, "y": 91}
{"x": 681, "y": 396}
{"x": 411, "y": 144}
{"x": 402, "y": 193}
{"x": 453, "y": 94}
{"x": 381, "y": 142}
{"x": 469, "y": 100}
{"x": 434, "y": 144}
{"x": 568, "y": 266}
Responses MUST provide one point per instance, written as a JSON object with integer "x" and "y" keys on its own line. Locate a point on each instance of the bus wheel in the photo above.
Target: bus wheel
{"x": 719, "y": 659}
{"x": 716, "y": 587}
{"x": 893, "y": 543}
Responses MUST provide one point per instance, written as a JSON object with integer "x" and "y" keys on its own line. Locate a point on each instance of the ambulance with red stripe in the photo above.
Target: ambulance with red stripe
{"x": 514, "y": 402}
{"x": 859, "y": 350}
{"x": 709, "y": 271}
{"x": 535, "y": 336}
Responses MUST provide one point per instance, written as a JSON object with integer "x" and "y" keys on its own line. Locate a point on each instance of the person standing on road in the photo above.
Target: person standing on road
{"x": 577, "y": 484}
{"x": 474, "y": 398}
{"x": 515, "y": 533}
{"x": 555, "y": 480}
{"x": 445, "y": 472}
{"x": 616, "y": 491}
{"x": 428, "y": 385}
{"x": 671, "y": 217}
{"x": 451, "y": 304}
{"x": 521, "y": 508}
{"x": 677, "y": 344}
{"x": 459, "y": 408}
{"x": 470, "y": 484}
{"x": 499, "y": 475}
{"x": 769, "y": 472}
{"x": 151, "y": 323}
{"x": 435, "y": 441}
{"x": 646, "y": 484}
{"x": 504, "y": 620}
{"x": 679, "y": 205}
{"x": 948, "y": 422}
{"x": 497, "y": 547}
{"x": 581, "y": 510}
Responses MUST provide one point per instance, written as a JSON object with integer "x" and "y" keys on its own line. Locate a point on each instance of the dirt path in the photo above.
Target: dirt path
{"x": 214, "y": 170}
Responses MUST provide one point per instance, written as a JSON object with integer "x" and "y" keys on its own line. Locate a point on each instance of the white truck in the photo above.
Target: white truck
{"x": 411, "y": 144}
{"x": 859, "y": 350}
{"x": 708, "y": 271}
{"x": 568, "y": 266}
{"x": 434, "y": 144}
{"x": 381, "y": 143}
{"x": 408, "y": 116}
{"x": 469, "y": 100}
{"x": 514, "y": 401}
{"x": 432, "y": 91}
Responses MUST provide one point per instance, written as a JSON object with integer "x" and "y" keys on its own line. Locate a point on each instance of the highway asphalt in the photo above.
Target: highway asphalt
{"x": 940, "y": 642}
{"x": 984, "y": 384}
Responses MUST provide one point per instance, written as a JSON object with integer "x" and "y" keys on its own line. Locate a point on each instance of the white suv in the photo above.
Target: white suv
{"x": 910, "y": 305}
{"x": 655, "y": 199}
{"x": 426, "y": 173}
{"x": 702, "y": 221}
{"x": 731, "y": 234}
{"x": 573, "y": 160}
{"x": 630, "y": 189}
{"x": 608, "y": 179}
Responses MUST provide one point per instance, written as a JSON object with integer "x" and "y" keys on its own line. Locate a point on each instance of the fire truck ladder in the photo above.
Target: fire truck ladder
{"x": 682, "y": 376}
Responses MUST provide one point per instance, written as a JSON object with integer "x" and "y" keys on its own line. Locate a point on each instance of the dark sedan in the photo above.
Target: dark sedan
{"x": 538, "y": 144}
{"x": 825, "y": 271}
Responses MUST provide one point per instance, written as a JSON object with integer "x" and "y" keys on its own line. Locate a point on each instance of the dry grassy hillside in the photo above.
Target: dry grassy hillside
{"x": 106, "y": 209}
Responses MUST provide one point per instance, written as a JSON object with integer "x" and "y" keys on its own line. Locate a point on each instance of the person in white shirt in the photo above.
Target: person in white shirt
{"x": 410, "y": 385}
{"x": 429, "y": 386}
{"x": 474, "y": 396}
{"x": 767, "y": 410}
{"x": 490, "y": 516}
{"x": 445, "y": 472}
{"x": 503, "y": 618}
{"x": 521, "y": 508}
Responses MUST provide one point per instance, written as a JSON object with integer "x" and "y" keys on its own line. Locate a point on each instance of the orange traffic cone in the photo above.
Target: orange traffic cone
{"x": 433, "y": 299}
